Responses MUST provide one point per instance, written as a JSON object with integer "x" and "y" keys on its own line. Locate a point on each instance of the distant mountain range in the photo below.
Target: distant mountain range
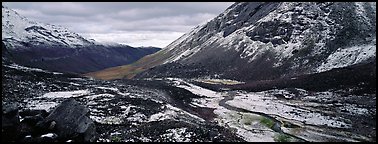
{"x": 265, "y": 40}
{"x": 55, "y": 48}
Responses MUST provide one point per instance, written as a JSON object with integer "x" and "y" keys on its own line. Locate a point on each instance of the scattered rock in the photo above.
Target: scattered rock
{"x": 277, "y": 127}
{"x": 32, "y": 120}
{"x": 70, "y": 121}
{"x": 52, "y": 125}
{"x": 29, "y": 123}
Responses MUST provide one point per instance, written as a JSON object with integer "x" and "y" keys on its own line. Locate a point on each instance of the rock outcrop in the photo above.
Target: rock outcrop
{"x": 70, "y": 121}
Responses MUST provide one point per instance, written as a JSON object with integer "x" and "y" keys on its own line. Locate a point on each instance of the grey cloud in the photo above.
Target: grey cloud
{"x": 124, "y": 12}
{"x": 102, "y": 18}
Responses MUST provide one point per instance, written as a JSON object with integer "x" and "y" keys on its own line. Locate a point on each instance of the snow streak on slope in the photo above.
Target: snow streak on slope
{"x": 252, "y": 41}
{"x": 19, "y": 67}
{"x": 348, "y": 56}
{"x": 250, "y": 48}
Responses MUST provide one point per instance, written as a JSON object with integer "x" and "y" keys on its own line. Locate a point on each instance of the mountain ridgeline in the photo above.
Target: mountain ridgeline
{"x": 55, "y": 48}
{"x": 265, "y": 40}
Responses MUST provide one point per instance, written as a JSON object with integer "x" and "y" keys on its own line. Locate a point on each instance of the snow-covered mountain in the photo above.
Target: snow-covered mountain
{"x": 17, "y": 29}
{"x": 267, "y": 40}
{"x": 55, "y": 48}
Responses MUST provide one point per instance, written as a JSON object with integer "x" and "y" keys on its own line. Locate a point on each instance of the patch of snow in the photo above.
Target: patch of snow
{"x": 40, "y": 105}
{"x": 126, "y": 110}
{"x": 178, "y": 135}
{"x": 360, "y": 10}
{"x": 103, "y": 140}
{"x": 115, "y": 133}
{"x": 348, "y": 56}
{"x": 66, "y": 94}
{"x": 126, "y": 94}
{"x": 287, "y": 94}
{"x": 49, "y": 135}
{"x": 144, "y": 139}
{"x": 230, "y": 118}
{"x": 138, "y": 117}
{"x": 57, "y": 73}
{"x": 75, "y": 84}
{"x": 207, "y": 102}
{"x": 267, "y": 136}
{"x": 78, "y": 79}
{"x": 16, "y": 66}
{"x": 221, "y": 81}
{"x": 253, "y": 132}
{"x": 107, "y": 120}
{"x": 167, "y": 114}
{"x": 108, "y": 88}
{"x": 195, "y": 89}
{"x": 182, "y": 112}
{"x": 261, "y": 102}
{"x": 353, "y": 109}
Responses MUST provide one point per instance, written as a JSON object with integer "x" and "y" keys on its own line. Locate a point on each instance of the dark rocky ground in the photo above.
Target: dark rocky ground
{"x": 154, "y": 110}
{"x": 121, "y": 110}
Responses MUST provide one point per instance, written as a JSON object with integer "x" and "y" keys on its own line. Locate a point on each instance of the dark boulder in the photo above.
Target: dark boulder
{"x": 27, "y": 129}
{"x": 69, "y": 120}
{"x": 10, "y": 122}
{"x": 277, "y": 127}
{"x": 28, "y": 125}
{"x": 30, "y": 120}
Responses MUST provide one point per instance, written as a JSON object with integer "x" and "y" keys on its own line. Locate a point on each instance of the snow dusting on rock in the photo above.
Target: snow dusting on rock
{"x": 16, "y": 28}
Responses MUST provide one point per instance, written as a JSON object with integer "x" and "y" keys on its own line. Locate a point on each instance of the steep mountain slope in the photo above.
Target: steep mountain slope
{"x": 55, "y": 48}
{"x": 256, "y": 41}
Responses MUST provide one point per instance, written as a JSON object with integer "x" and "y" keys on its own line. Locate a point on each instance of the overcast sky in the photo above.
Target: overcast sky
{"x": 131, "y": 23}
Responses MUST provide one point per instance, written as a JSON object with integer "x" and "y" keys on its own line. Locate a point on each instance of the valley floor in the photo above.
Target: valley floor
{"x": 173, "y": 109}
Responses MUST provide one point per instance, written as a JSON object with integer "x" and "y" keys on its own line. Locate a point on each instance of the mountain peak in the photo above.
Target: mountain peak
{"x": 52, "y": 47}
{"x": 17, "y": 29}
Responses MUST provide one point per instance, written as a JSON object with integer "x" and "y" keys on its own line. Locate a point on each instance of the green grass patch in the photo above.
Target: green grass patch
{"x": 115, "y": 139}
{"x": 282, "y": 138}
{"x": 267, "y": 122}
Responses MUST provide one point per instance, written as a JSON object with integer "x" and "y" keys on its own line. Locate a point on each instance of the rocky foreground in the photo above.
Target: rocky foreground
{"x": 47, "y": 106}
{"x": 120, "y": 110}
{"x": 67, "y": 122}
